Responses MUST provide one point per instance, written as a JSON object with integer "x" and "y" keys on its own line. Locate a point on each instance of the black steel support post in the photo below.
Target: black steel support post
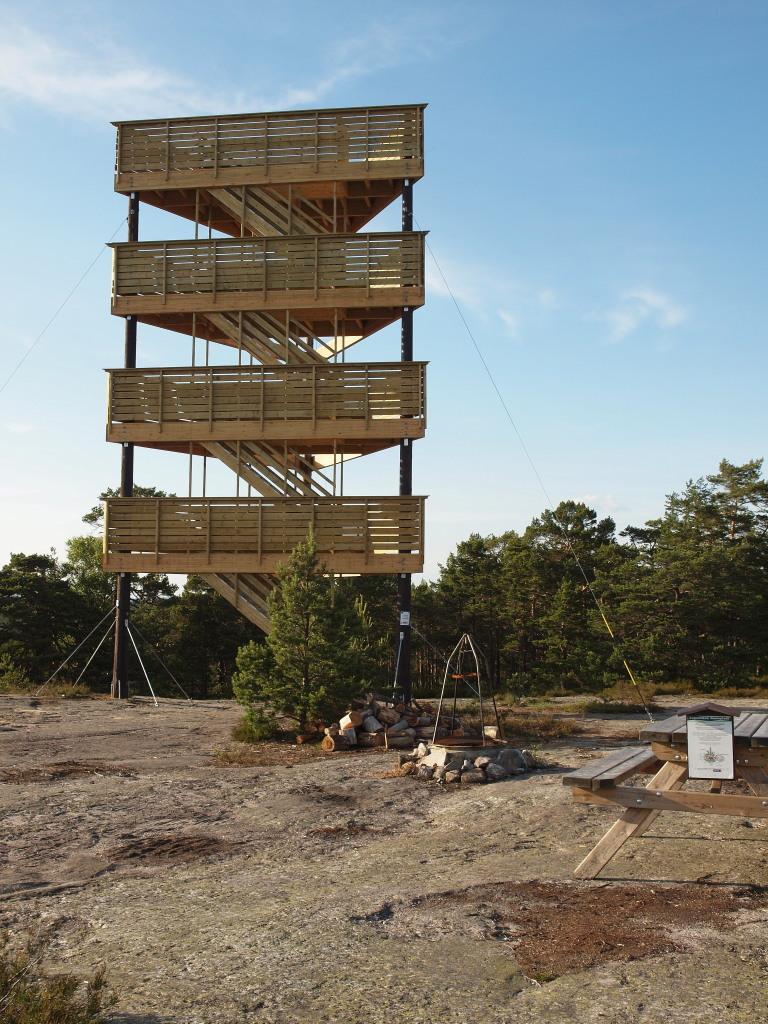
{"x": 123, "y": 587}
{"x": 403, "y": 681}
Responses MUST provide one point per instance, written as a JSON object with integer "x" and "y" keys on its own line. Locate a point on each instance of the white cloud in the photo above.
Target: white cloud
{"x": 511, "y": 322}
{"x": 641, "y": 307}
{"x": 18, "y": 427}
{"x": 485, "y": 288}
{"x": 103, "y": 82}
{"x": 604, "y": 504}
{"x": 456, "y": 281}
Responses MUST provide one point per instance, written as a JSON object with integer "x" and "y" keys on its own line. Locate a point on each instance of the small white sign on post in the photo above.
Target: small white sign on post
{"x": 710, "y": 746}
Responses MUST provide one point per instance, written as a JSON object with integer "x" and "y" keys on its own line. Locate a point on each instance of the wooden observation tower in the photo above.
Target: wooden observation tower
{"x": 281, "y": 277}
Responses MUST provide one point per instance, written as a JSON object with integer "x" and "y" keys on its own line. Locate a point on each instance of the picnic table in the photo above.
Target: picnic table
{"x": 665, "y": 757}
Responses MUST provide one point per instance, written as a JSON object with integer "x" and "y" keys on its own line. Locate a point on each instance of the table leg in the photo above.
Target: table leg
{"x": 756, "y": 778}
{"x": 678, "y": 783}
{"x": 633, "y": 821}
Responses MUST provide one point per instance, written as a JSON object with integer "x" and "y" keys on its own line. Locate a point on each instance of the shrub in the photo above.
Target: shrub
{"x": 317, "y": 654}
{"x": 13, "y": 677}
{"x": 255, "y": 727}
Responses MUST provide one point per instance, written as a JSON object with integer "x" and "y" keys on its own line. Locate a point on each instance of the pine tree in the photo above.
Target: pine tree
{"x": 315, "y": 657}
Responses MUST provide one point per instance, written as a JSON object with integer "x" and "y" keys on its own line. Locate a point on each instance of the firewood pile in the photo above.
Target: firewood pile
{"x": 377, "y": 722}
{"x": 459, "y": 753}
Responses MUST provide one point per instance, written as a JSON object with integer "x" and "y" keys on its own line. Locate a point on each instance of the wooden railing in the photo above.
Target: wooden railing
{"x": 279, "y": 272}
{"x": 354, "y": 535}
{"x": 373, "y": 142}
{"x": 277, "y": 401}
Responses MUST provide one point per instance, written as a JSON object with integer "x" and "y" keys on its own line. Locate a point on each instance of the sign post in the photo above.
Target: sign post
{"x": 709, "y": 732}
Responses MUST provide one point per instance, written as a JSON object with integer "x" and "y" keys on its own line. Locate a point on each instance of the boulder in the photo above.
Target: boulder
{"x": 512, "y": 759}
{"x": 473, "y": 775}
{"x": 530, "y": 760}
{"x": 494, "y": 772}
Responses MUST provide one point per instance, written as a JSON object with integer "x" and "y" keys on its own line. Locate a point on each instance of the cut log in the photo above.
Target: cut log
{"x": 398, "y": 727}
{"x": 399, "y": 742}
{"x": 371, "y": 724}
{"x": 352, "y": 718}
{"x": 335, "y": 743}
{"x": 370, "y": 739}
{"x": 388, "y": 715}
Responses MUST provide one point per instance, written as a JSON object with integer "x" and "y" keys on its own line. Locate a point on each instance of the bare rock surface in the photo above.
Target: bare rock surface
{"x": 220, "y": 893}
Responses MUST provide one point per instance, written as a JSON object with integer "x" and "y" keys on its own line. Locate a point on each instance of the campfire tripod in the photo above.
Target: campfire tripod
{"x": 465, "y": 649}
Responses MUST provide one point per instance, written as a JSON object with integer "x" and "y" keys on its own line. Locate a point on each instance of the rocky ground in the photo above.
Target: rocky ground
{"x": 316, "y": 887}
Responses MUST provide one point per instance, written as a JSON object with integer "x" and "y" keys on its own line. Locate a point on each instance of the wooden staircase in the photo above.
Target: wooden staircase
{"x": 292, "y": 288}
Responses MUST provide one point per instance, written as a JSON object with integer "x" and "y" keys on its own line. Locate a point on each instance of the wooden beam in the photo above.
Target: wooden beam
{"x": 630, "y": 823}
{"x": 693, "y": 803}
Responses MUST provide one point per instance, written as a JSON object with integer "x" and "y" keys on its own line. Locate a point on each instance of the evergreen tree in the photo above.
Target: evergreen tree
{"x": 315, "y": 657}
{"x": 41, "y": 616}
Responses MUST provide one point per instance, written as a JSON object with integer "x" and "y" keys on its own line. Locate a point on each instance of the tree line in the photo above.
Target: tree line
{"x": 685, "y": 596}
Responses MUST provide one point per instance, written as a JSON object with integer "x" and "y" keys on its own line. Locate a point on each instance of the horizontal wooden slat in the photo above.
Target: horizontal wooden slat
{"x": 333, "y": 400}
{"x": 607, "y": 771}
{"x": 662, "y": 731}
{"x": 344, "y": 144}
{"x": 666, "y": 800}
{"x": 371, "y": 534}
{"x": 378, "y": 269}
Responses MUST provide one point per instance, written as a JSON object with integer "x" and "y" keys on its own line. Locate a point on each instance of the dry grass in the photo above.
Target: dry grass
{"x": 740, "y": 691}
{"x": 27, "y": 996}
{"x": 538, "y": 725}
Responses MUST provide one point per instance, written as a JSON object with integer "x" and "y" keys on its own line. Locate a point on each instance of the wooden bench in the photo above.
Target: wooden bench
{"x": 614, "y": 768}
{"x": 598, "y": 782}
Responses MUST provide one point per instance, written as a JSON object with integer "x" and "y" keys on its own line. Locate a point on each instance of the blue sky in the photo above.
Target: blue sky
{"x": 595, "y": 193}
